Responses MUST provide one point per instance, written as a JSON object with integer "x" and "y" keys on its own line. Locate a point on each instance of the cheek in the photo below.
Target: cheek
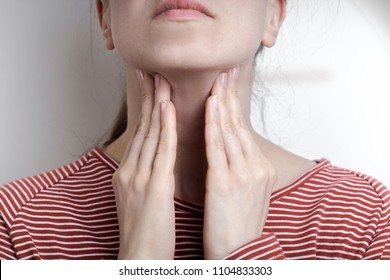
{"x": 129, "y": 27}
{"x": 242, "y": 28}
{"x": 242, "y": 37}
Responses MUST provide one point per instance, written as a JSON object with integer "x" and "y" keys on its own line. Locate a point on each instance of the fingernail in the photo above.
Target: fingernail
{"x": 215, "y": 101}
{"x": 163, "y": 105}
{"x": 223, "y": 79}
{"x": 157, "y": 79}
{"x": 140, "y": 75}
{"x": 236, "y": 72}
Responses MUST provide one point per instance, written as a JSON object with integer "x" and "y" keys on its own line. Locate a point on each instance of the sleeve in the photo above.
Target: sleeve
{"x": 379, "y": 247}
{"x": 7, "y": 251}
{"x": 265, "y": 247}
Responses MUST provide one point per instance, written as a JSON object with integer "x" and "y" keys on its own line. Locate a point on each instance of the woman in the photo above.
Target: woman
{"x": 189, "y": 178}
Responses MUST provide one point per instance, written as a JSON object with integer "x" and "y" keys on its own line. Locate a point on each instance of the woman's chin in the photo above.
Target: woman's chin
{"x": 182, "y": 66}
{"x": 179, "y": 68}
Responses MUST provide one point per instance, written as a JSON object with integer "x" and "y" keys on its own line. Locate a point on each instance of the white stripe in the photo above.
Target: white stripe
{"x": 187, "y": 230}
{"x": 46, "y": 223}
{"x": 75, "y": 250}
{"x": 12, "y": 198}
{"x": 19, "y": 199}
{"x": 87, "y": 182}
{"x": 67, "y": 174}
{"x": 186, "y": 207}
{"x": 350, "y": 191}
{"x": 187, "y": 249}
{"x": 55, "y": 176}
{"x": 266, "y": 239}
{"x": 106, "y": 161}
{"x": 317, "y": 196}
{"x": 319, "y": 251}
{"x": 329, "y": 206}
{"x": 84, "y": 201}
{"x": 37, "y": 184}
{"x": 315, "y": 226}
{"x": 18, "y": 185}
{"x": 67, "y": 255}
{"x": 90, "y": 166}
{"x": 57, "y": 244}
{"x": 351, "y": 224}
{"x": 68, "y": 213}
{"x": 358, "y": 187}
{"x": 321, "y": 211}
{"x": 301, "y": 257}
{"x": 187, "y": 256}
{"x": 92, "y": 194}
{"x": 91, "y": 177}
{"x": 311, "y": 242}
{"x": 261, "y": 255}
{"x": 192, "y": 243}
{"x": 80, "y": 189}
{"x": 86, "y": 220}
{"x": 58, "y": 236}
{"x": 6, "y": 252}
{"x": 337, "y": 199}
{"x": 181, "y": 235}
{"x": 189, "y": 225}
{"x": 78, "y": 231}
{"x": 294, "y": 239}
{"x": 318, "y": 237}
{"x": 58, "y": 175}
{"x": 41, "y": 208}
{"x": 342, "y": 245}
{"x": 4, "y": 207}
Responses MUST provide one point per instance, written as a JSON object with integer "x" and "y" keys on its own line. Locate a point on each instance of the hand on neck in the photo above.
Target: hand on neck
{"x": 189, "y": 91}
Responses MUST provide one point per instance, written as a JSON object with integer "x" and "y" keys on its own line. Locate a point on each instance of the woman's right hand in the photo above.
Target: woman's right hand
{"x": 144, "y": 183}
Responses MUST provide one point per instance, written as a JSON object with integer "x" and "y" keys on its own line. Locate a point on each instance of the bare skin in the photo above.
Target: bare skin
{"x": 202, "y": 147}
{"x": 239, "y": 178}
{"x": 191, "y": 150}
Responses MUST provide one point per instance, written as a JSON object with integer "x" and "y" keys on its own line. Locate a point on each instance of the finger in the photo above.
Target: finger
{"x": 162, "y": 89}
{"x": 215, "y": 150}
{"x": 133, "y": 149}
{"x": 147, "y": 90}
{"x": 232, "y": 143}
{"x": 149, "y": 147}
{"x": 249, "y": 146}
{"x": 166, "y": 151}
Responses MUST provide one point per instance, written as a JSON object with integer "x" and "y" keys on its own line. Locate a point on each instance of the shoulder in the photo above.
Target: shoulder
{"x": 332, "y": 189}
{"x": 17, "y": 194}
{"x": 347, "y": 192}
{"x": 353, "y": 182}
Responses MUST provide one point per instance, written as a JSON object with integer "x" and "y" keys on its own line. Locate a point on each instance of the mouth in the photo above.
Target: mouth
{"x": 182, "y": 7}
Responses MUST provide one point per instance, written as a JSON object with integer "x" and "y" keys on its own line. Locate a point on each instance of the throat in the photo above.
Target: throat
{"x": 190, "y": 176}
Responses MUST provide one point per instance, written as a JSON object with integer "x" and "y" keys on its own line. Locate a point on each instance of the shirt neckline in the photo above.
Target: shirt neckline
{"x": 196, "y": 208}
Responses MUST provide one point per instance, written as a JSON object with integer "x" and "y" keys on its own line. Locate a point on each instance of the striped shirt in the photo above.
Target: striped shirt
{"x": 70, "y": 213}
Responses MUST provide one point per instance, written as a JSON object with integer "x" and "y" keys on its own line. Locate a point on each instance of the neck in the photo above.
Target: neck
{"x": 189, "y": 91}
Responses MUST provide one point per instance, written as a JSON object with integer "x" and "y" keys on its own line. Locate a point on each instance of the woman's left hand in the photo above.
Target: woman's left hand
{"x": 239, "y": 179}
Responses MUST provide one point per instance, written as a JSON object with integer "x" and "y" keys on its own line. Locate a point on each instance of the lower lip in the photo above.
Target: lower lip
{"x": 182, "y": 14}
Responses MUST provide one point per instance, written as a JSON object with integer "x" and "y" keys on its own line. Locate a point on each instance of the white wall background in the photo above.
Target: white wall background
{"x": 328, "y": 79}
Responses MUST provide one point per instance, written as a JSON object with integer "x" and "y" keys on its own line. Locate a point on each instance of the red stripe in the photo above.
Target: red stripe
{"x": 70, "y": 213}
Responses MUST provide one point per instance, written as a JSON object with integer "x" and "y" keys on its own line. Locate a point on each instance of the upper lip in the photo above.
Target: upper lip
{"x": 181, "y": 4}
